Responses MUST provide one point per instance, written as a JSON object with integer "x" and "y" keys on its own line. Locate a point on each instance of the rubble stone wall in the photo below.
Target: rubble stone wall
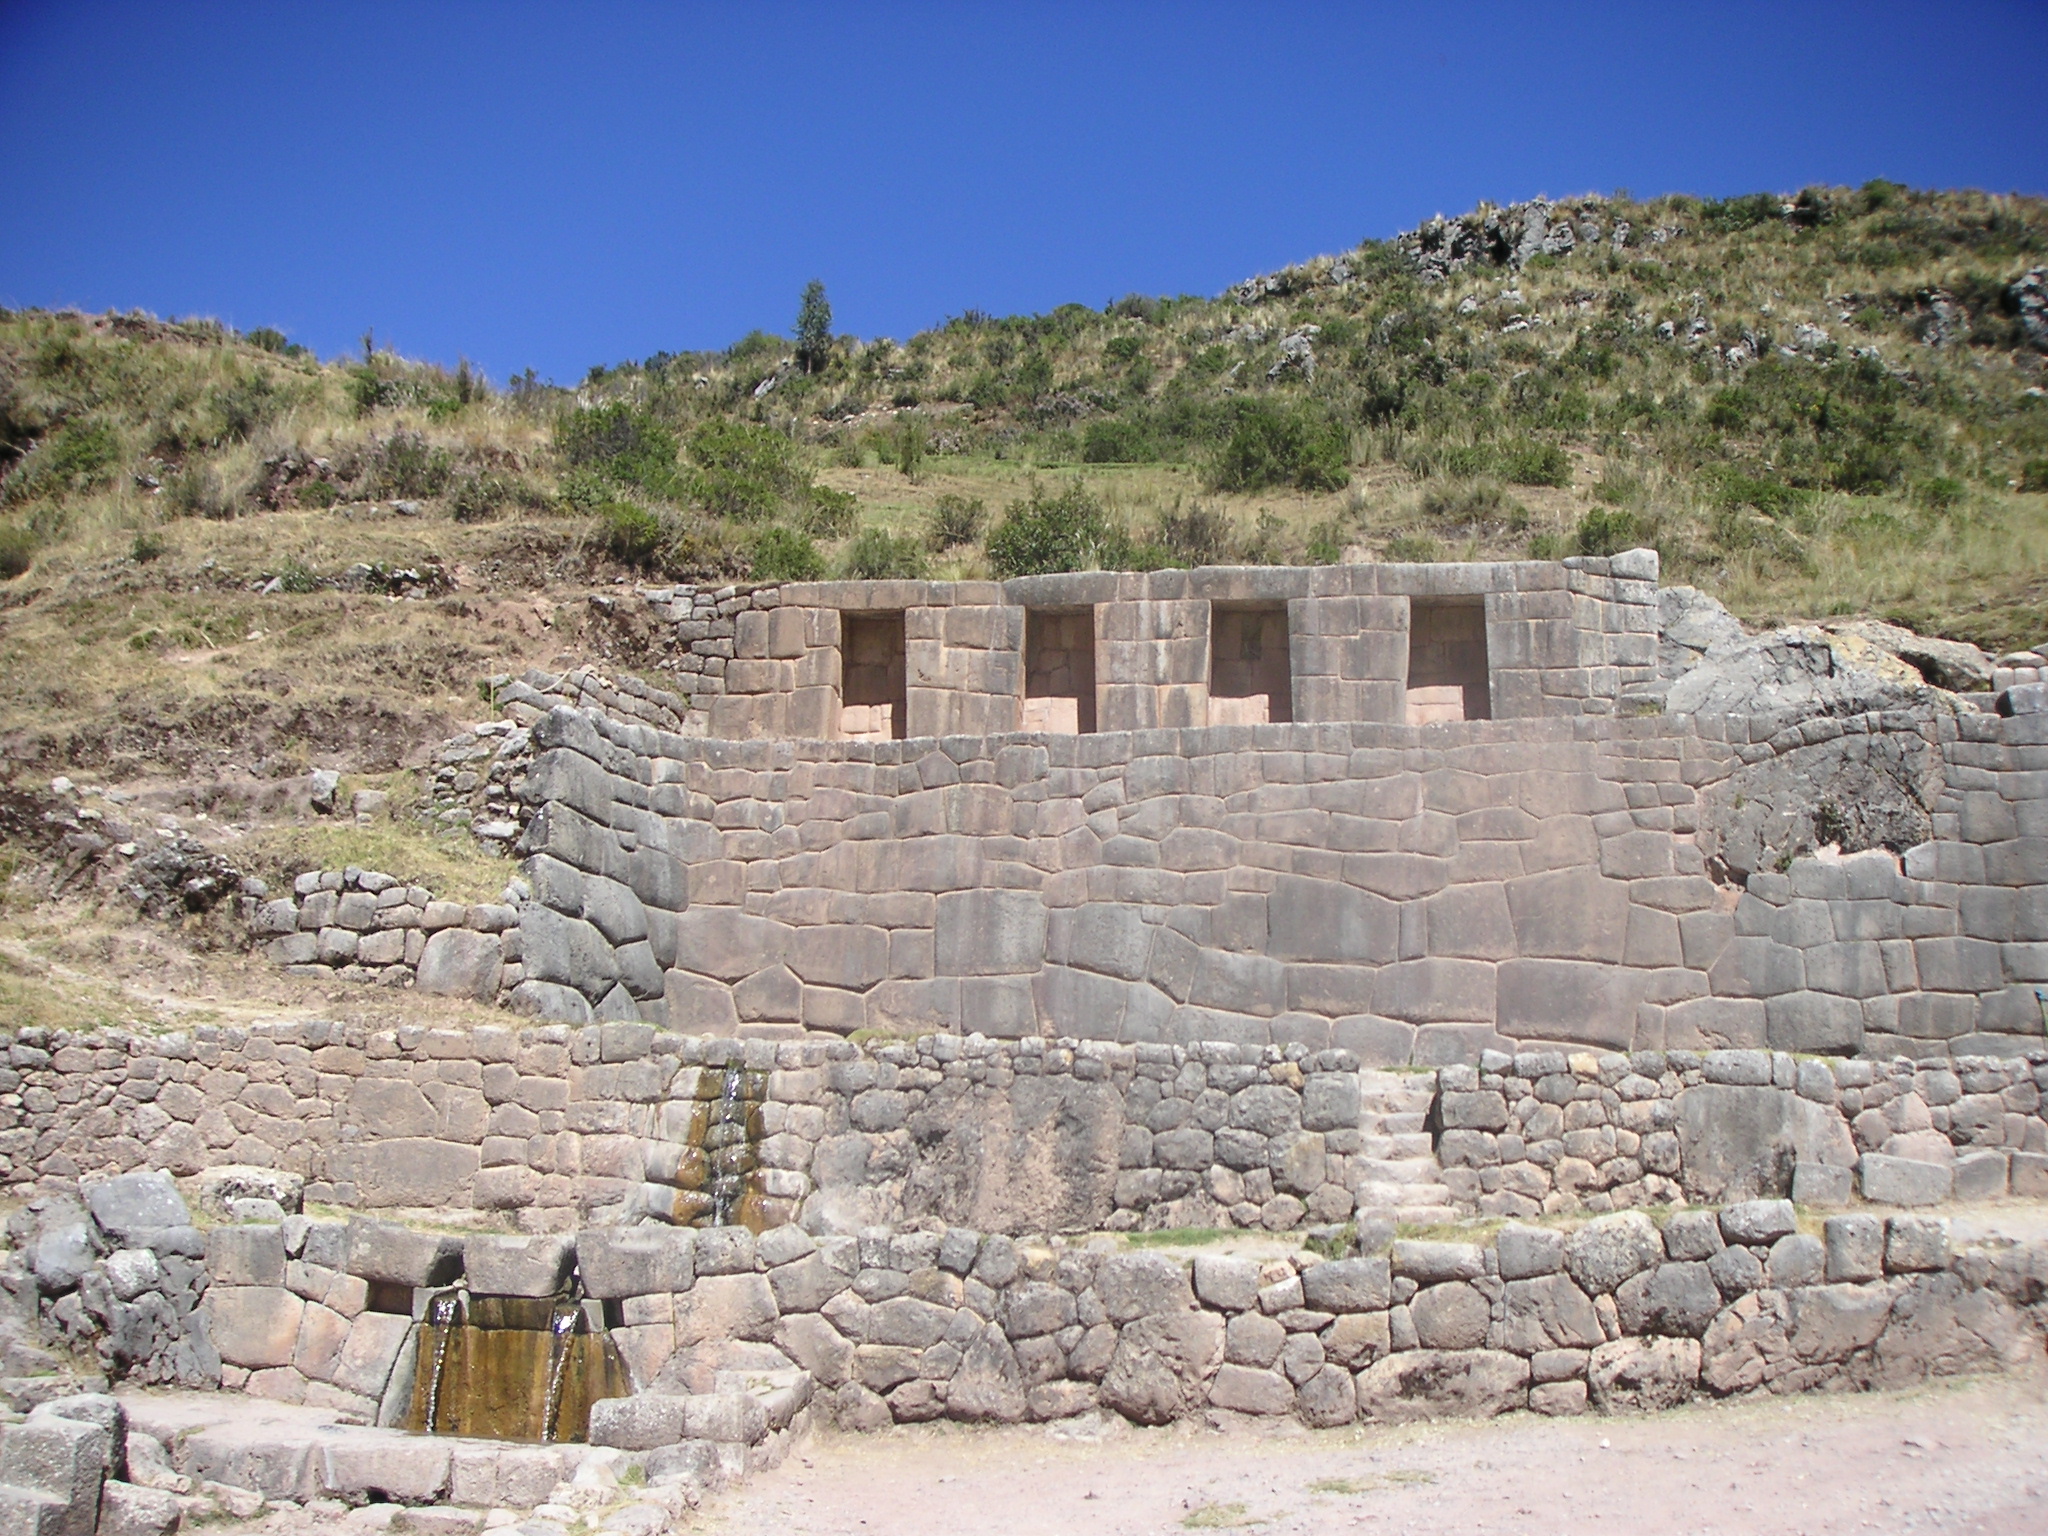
{"x": 555, "y": 1126}
{"x": 1411, "y": 894}
{"x": 362, "y": 925}
{"x": 951, "y": 1323}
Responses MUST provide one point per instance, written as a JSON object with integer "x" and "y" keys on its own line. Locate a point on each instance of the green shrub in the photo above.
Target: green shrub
{"x": 830, "y": 514}
{"x": 297, "y": 578}
{"x": 1326, "y": 544}
{"x": 1413, "y": 549}
{"x": 625, "y": 445}
{"x": 149, "y": 545}
{"x": 1738, "y": 213}
{"x": 784, "y": 554}
{"x": 1548, "y": 546}
{"x": 907, "y": 446}
{"x": 1114, "y": 441}
{"x": 1477, "y": 501}
{"x": 879, "y": 555}
{"x": 1607, "y": 531}
{"x": 480, "y": 497}
{"x": 2034, "y": 475}
{"x": 269, "y": 339}
{"x": 244, "y": 405}
{"x": 955, "y": 520}
{"x": 1619, "y": 488}
{"x": 1868, "y": 469}
{"x": 742, "y": 471}
{"x": 1123, "y": 349}
{"x": 196, "y": 491}
{"x": 1301, "y": 446}
{"x": 1198, "y": 535}
{"x": 631, "y": 535}
{"x": 17, "y": 550}
{"x": 1535, "y": 464}
{"x": 76, "y": 457}
{"x": 317, "y": 493}
{"x": 1940, "y": 493}
{"x": 1066, "y": 531}
{"x": 407, "y": 466}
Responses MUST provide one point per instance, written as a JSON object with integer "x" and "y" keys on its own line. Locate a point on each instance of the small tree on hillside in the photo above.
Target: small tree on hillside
{"x": 813, "y": 328}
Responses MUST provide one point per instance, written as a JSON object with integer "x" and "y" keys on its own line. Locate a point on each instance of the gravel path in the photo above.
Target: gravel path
{"x": 1970, "y": 1458}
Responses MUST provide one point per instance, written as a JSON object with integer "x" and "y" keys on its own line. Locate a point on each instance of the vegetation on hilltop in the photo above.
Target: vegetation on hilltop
{"x": 1827, "y": 404}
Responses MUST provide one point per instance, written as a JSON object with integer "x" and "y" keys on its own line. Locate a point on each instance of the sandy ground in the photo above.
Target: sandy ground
{"x": 1967, "y": 1458}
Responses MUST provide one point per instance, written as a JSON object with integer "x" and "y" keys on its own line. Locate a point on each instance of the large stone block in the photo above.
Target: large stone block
{"x": 1327, "y": 920}
{"x": 1643, "y": 1374}
{"x": 386, "y": 1251}
{"x": 130, "y": 1205}
{"x": 616, "y": 1262}
{"x": 517, "y": 1266}
{"x": 459, "y": 962}
{"x": 63, "y": 1459}
{"x": 1570, "y": 1000}
{"x": 1420, "y": 1384}
{"x": 254, "y": 1326}
{"x": 1904, "y": 1181}
{"x": 990, "y": 933}
{"x": 1570, "y": 914}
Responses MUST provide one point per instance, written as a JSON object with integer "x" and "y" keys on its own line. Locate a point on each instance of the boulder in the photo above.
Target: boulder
{"x": 1438, "y": 1384}
{"x": 1609, "y": 1249}
{"x": 1162, "y": 1365}
{"x": 461, "y": 962}
{"x": 1643, "y": 1373}
{"x": 129, "y": 1206}
{"x": 229, "y": 1182}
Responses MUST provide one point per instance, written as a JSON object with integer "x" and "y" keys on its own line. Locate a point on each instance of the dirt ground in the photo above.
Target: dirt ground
{"x": 1970, "y": 1458}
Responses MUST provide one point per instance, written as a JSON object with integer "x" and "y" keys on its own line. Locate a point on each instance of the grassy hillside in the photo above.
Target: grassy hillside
{"x": 218, "y": 550}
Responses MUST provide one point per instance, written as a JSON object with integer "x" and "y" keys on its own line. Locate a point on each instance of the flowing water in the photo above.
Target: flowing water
{"x": 513, "y": 1368}
{"x": 713, "y": 1179}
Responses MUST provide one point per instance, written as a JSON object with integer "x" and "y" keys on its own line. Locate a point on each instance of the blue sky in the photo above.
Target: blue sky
{"x": 554, "y": 185}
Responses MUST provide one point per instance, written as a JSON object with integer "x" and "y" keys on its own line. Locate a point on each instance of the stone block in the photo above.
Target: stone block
{"x": 1915, "y": 1244}
{"x": 637, "y": 1423}
{"x": 1902, "y": 1181}
{"x": 1449, "y": 1316}
{"x": 1421, "y": 1384}
{"x": 129, "y": 1510}
{"x": 1525, "y": 1252}
{"x": 1569, "y": 1000}
{"x": 253, "y": 1326}
{"x": 1758, "y": 1222}
{"x": 990, "y": 933}
{"x": 62, "y": 1459}
{"x": 1349, "y": 1285}
{"x": 1244, "y": 1389}
{"x": 1643, "y": 1374}
{"x": 1610, "y": 1249}
{"x": 1431, "y": 1263}
{"x": 517, "y": 1266}
{"x": 130, "y": 1205}
{"x": 1982, "y": 1175}
{"x": 252, "y": 1255}
{"x": 1227, "y": 1284}
{"x": 402, "y": 1469}
{"x": 386, "y": 1251}
{"x": 1855, "y": 1248}
{"x": 1821, "y": 1184}
{"x": 461, "y": 962}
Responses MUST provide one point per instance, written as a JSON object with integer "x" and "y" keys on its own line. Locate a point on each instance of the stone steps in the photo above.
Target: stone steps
{"x": 1395, "y": 1171}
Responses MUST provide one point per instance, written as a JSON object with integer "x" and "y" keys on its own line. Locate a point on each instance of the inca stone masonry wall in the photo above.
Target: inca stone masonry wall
{"x": 1412, "y": 894}
{"x": 556, "y": 1127}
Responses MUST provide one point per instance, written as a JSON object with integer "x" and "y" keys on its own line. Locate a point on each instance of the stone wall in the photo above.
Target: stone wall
{"x": 556, "y": 1127}
{"x": 1547, "y": 1131}
{"x": 1414, "y": 895}
{"x": 908, "y": 1326}
{"x": 1546, "y": 639}
{"x": 363, "y": 925}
